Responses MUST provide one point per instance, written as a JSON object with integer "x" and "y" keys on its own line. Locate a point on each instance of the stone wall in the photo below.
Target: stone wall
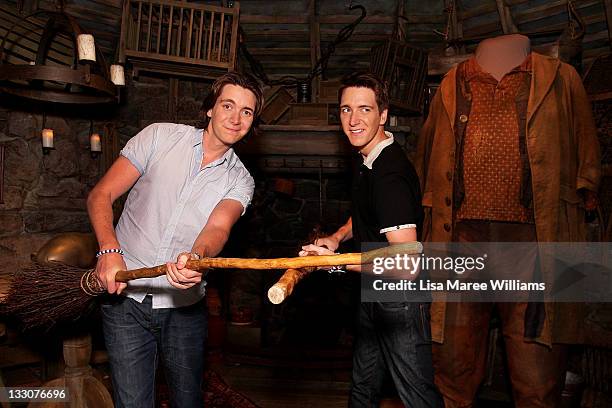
{"x": 43, "y": 194}
{"x": 46, "y": 194}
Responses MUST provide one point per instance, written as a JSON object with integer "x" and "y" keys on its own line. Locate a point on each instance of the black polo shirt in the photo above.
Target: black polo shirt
{"x": 387, "y": 196}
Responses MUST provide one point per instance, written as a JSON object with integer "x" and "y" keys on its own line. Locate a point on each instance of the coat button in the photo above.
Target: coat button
{"x": 447, "y": 227}
{"x": 463, "y": 118}
{"x": 449, "y": 175}
{"x": 448, "y": 202}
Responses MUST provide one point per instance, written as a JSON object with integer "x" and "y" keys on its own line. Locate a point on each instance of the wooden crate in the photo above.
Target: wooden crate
{"x": 404, "y": 68}
{"x": 277, "y": 102}
{"x": 308, "y": 114}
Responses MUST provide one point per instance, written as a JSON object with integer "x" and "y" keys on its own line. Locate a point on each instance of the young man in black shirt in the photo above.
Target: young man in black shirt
{"x": 394, "y": 337}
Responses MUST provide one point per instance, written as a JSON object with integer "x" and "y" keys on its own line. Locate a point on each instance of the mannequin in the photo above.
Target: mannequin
{"x": 499, "y": 55}
{"x": 519, "y": 162}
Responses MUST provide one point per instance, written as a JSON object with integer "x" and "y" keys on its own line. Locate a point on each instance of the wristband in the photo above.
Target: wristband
{"x": 109, "y": 251}
{"x": 337, "y": 269}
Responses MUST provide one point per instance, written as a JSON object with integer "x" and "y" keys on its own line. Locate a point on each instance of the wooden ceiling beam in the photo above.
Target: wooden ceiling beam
{"x": 549, "y": 10}
{"x": 314, "y": 28}
{"x": 297, "y": 19}
{"x": 85, "y": 13}
{"x": 287, "y": 64}
{"x": 592, "y": 19}
{"x": 602, "y": 35}
{"x": 279, "y": 51}
{"x": 118, "y": 4}
{"x": 516, "y": 2}
{"x": 268, "y": 19}
{"x": 486, "y": 8}
{"x": 347, "y": 19}
{"x": 505, "y": 17}
{"x": 595, "y": 52}
{"x": 608, "y": 13}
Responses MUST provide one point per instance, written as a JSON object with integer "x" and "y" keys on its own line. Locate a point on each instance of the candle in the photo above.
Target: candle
{"x": 117, "y": 75}
{"x": 94, "y": 143}
{"x": 47, "y": 138}
{"x": 86, "y": 47}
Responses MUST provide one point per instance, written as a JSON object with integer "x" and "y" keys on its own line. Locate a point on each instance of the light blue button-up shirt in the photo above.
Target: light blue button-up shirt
{"x": 170, "y": 204}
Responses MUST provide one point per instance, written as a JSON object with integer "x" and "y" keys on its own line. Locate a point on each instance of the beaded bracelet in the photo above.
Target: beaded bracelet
{"x": 110, "y": 251}
{"x": 337, "y": 269}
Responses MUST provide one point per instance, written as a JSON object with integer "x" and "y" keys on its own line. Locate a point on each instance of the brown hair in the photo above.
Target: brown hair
{"x": 245, "y": 81}
{"x": 370, "y": 81}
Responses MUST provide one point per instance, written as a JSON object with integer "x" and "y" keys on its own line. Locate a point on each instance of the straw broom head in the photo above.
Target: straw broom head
{"x": 41, "y": 295}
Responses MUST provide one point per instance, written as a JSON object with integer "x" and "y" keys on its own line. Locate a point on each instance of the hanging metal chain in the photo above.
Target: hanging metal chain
{"x": 321, "y": 64}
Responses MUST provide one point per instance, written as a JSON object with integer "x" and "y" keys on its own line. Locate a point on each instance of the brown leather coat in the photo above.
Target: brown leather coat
{"x": 563, "y": 155}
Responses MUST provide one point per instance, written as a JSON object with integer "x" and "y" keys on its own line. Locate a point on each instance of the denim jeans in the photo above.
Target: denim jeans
{"x": 137, "y": 335}
{"x": 394, "y": 340}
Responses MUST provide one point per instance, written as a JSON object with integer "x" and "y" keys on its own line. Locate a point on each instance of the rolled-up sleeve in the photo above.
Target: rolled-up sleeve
{"x": 242, "y": 190}
{"x": 139, "y": 149}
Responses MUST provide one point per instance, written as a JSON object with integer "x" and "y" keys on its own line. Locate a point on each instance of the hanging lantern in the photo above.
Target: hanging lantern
{"x": 63, "y": 80}
{"x": 47, "y": 140}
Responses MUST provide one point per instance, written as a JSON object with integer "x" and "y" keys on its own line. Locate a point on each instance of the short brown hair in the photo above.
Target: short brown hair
{"x": 370, "y": 81}
{"x": 245, "y": 81}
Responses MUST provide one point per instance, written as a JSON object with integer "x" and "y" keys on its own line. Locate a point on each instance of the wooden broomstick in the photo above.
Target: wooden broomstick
{"x": 42, "y": 295}
{"x": 283, "y": 288}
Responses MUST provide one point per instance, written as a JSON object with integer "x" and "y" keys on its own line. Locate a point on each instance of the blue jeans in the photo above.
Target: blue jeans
{"x": 136, "y": 335}
{"x": 394, "y": 340}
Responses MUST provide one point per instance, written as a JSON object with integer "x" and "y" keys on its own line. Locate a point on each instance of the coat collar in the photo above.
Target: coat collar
{"x": 448, "y": 89}
{"x": 544, "y": 72}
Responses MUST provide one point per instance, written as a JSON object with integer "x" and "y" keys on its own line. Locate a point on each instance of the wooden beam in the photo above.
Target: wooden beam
{"x": 399, "y": 29}
{"x": 602, "y": 35}
{"x": 296, "y": 19}
{"x": 117, "y": 4}
{"x": 549, "y": 10}
{"x": 425, "y": 18}
{"x": 441, "y": 64}
{"x": 94, "y": 14}
{"x": 268, "y": 19}
{"x": 27, "y": 7}
{"x": 595, "y": 52}
{"x": 288, "y": 53}
{"x": 516, "y": 2}
{"x": 608, "y": 11}
{"x": 315, "y": 45}
{"x": 346, "y": 19}
{"x": 287, "y": 64}
{"x": 505, "y": 17}
{"x": 279, "y": 51}
{"x": 329, "y": 34}
{"x": 459, "y": 27}
{"x": 486, "y": 8}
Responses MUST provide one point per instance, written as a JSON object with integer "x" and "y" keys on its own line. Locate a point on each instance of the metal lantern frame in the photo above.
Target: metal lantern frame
{"x": 80, "y": 83}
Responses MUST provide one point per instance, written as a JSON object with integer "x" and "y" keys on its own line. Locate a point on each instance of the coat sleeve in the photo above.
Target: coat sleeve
{"x": 585, "y": 132}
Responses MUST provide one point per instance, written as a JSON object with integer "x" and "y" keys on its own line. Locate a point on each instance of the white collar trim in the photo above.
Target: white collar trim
{"x": 368, "y": 160}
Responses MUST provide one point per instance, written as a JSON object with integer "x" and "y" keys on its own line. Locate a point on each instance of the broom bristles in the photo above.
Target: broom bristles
{"x": 42, "y": 295}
